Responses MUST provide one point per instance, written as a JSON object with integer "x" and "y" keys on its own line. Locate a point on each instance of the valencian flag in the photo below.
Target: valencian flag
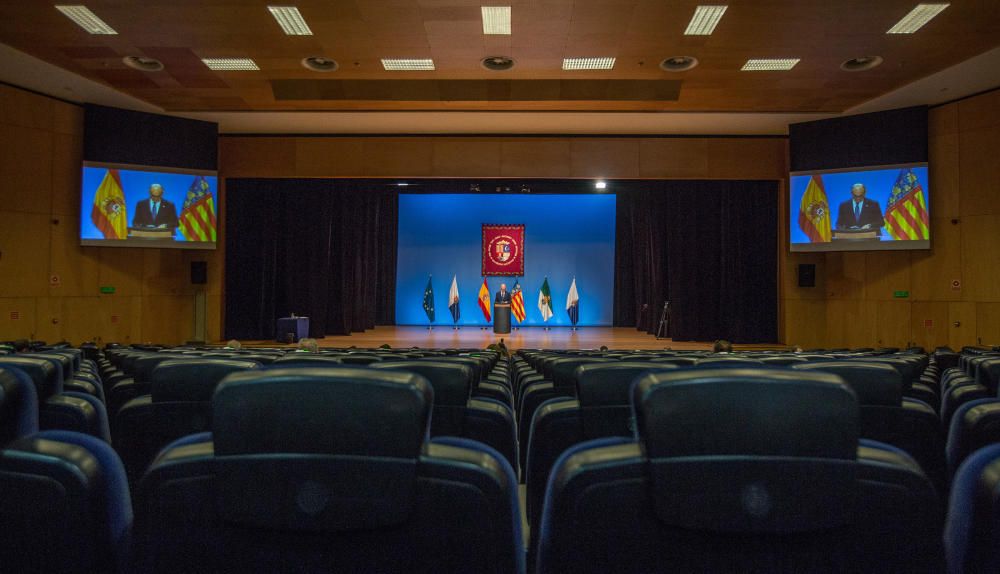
{"x": 429, "y": 300}
{"x": 517, "y": 302}
{"x": 108, "y": 213}
{"x": 906, "y": 214}
{"x": 545, "y": 300}
{"x": 814, "y": 212}
{"x": 573, "y": 303}
{"x": 197, "y": 219}
{"x": 453, "y": 300}
{"x": 484, "y": 301}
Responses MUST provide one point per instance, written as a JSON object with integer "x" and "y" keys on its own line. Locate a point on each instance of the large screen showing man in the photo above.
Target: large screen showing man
{"x": 156, "y": 211}
{"x": 859, "y": 212}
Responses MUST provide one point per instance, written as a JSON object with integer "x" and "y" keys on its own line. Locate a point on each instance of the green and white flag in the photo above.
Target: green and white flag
{"x": 545, "y": 300}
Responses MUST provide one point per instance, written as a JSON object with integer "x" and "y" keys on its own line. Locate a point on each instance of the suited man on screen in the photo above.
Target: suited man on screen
{"x": 859, "y": 212}
{"x": 503, "y": 295}
{"x": 155, "y": 211}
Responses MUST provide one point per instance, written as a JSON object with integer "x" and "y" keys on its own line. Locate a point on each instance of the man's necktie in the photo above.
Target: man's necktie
{"x": 156, "y": 209}
{"x": 857, "y": 211}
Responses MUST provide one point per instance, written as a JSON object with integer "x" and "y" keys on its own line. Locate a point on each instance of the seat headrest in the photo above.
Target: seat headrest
{"x": 18, "y": 405}
{"x": 604, "y": 384}
{"x": 306, "y": 360}
{"x": 452, "y": 381}
{"x": 43, "y": 372}
{"x": 192, "y": 379}
{"x": 874, "y": 383}
{"x": 64, "y": 364}
{"x": 728, "y": 362}
{"x": 766, "y": 412}
{"x": 336, "y": 410}
{"x": 564, "y": 369}
{"x": 142, "y": 368}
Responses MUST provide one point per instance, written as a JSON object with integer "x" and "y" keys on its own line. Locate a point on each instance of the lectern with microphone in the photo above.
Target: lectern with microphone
{"x": 501, "y": 312}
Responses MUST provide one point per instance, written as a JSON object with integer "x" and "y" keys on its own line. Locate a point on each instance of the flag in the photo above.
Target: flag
{"x": 906, "y": 214}
{"x": 545, "y": 300}
{"x": 197, "y": 218}
{"x": 429, "y": 300}
{"x": 484, "y": 301}
{"x": 517, "y": 302}
{"x": 573, "y": 303}
{"x": 108, "y": 213}
{"x": 453, "y": 300}
{"x": 814, "y": 212}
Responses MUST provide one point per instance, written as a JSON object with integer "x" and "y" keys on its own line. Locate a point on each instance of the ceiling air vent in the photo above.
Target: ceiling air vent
{"x": 861, "y": 63}
{"x": 143, "y": 64}
{"x": 678, "y": 63}
{"x": 498, "y": 63}
{"x": 319, "y": 64}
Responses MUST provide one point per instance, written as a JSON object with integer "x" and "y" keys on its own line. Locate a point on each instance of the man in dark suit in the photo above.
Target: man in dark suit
{"x": 859, "y": 212}
{"x": 503, "y": 295}
{"x": 155, "y": 211}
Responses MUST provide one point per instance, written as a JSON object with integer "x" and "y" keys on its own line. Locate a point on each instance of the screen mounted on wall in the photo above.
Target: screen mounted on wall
{"x": 876, "y": 208}
{"x": 133, "y": 206}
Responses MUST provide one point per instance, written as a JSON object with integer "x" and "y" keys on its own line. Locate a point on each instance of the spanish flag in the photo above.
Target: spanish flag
{"x": 814, "y": 212}
{"x": 484, "y": 301}
{"x": 108, "y": 213}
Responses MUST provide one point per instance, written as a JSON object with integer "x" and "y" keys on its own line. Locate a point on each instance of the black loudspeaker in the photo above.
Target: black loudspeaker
{"x": 807, "y": 275}
{"x": 199, "y": 272}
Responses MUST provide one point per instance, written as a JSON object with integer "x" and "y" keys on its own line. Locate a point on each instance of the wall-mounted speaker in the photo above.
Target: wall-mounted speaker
{"x": 199, "y": 272}
{"x": 807, "y": 275}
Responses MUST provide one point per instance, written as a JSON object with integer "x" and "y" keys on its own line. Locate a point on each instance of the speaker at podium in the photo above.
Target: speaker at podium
{"x": 501, "y": 311}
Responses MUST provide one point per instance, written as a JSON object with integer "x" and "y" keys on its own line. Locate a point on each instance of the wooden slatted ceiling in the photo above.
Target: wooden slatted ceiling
{"x": 639, "y": 33}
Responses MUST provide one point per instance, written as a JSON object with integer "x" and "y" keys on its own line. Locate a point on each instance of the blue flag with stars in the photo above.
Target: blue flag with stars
{"x": 429, "y": 300}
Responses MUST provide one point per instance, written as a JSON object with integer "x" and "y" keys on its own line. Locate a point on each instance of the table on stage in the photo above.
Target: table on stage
{"x": 501, "y": 318}
{"x": 297, "y": 327}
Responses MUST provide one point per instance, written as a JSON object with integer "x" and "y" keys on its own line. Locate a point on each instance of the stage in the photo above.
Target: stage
{"x": 526, "y": 337}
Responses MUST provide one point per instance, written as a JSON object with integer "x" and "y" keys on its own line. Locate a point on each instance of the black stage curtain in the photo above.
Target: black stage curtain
{"x": 325, "y": 249}
{"x": 710, "y": 248}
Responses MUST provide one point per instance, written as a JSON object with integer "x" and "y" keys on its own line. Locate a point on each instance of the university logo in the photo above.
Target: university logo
{"x": 503, "y": 250}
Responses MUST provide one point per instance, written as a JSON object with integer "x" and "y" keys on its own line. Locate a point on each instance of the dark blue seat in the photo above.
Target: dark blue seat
{"x": 58, "y": 409}
{"x": 319, "y": 470}
{"x": 64, "y": 501}
{"x": 179, "y": 404}
{"x": 740, "y": 470}
{"x": 972, "y": 531}
{"x": 976, "y": 424}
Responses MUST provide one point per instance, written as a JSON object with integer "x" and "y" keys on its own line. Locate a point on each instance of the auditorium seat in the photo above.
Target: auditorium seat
{"x": 60, "y": 409}
{"x": 350, "y": 484}
{"x": 179, "y": 404}
{"x": 306, "y": 360}
{"x": 601, "y": 408}
{"x": 972, "y": 531}
{"x": 140, "y": 369}
{"x": 64, "y": 502}
{"x": 976, "y": 424}
{"x": 740, "y": 470}
{"x": 456, "y": 412}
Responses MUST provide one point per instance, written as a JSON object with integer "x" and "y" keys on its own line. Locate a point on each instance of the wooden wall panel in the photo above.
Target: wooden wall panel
{"x": 78, "y": 269}
{"x": 24, "y": 109}
{"x": 885, "y": 273}
{"x": 67, "y": 159}
{"x": 980, "y": 258}
{"x": 987, "y": 323}
{"x": 328, "y": 157}
{"x": 980, "y": 179}
{"x": 17, "y": 317}
{"x": 397, "y": 157}
{"x": 892, "y": 324}
{"x": 982, "y": 111}
{"x": 257, "y": 157}
{"x": 805, "y": 323}
{"x": 673, "y": 158}
{"x": 604, "y": 158}
{"x": 845, "y": 275}
{"x": 962, "y": 325}
{"x": 931, "y": 272}
{"x": 929, "y": 324}
{"x": 26, "y": 165}
{"x": 740, "y": 158}
{"x": 851, "y": 323}
{"x": 24, "y": 243}
{"x": 466, "y": 157}
{"x": 945, "y": 176}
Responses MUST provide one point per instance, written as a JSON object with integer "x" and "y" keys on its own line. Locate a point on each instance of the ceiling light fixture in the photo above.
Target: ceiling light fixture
{"x": 290, "y": 20}
{"x": 861, "y": 63}
{"x": 597, "y": 63}
{"x": 496, "y": 20}
{"x": 601, "y": 184}
{"x": 407, "y": 65}
{"x": 320, "y": 64}
{"x": 143, "y": 64}
{"x": 231, "y": 64}
{"x": 769, "y": 64}
{"x": 86, "y": 19}
{"x": 704, "y": 21}
{"x": 920, "y": 15}
{"x": 678, "y": 63}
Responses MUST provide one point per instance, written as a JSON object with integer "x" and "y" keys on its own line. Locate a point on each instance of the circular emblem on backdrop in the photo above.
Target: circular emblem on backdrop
{"x": 503, "y": 250}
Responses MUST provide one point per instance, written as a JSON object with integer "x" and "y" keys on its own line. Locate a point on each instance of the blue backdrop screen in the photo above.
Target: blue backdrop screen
{"x": 565, "y": 236}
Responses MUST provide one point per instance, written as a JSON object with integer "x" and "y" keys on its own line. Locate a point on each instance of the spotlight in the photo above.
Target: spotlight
{"x": 601, "y": 184}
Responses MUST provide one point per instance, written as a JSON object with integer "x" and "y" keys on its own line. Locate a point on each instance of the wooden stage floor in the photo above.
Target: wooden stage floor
{"x": 527, "y": 337}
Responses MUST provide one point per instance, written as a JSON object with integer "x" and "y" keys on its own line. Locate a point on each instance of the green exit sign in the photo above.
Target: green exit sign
{"x": 901, "y": 294}
{"x": 107, "y": 290}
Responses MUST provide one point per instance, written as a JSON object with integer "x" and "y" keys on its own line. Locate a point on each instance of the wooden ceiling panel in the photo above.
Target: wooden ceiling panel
{"x": 639, "y": 33}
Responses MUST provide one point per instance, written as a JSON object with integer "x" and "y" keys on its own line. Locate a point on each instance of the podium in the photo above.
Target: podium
{"x": 166, "y": 233}
{"x": 291, "y": 329}
{"x": 501, "y": 318}
{"x": 855, "y": 235}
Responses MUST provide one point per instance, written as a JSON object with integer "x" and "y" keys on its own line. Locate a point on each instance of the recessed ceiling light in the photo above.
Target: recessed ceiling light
{"x": 704, "y": 21}
{"x": 290, "y": 20}
{"x": 496, "y": 20}
{"x": 600, "y": 63}
{"x": 678, "y": 63}
{"x": 861, "y": 63}
{"x": 231, "y": 64}
{"x": 407, "y": 65}
{"x": 497, "y": 63}
{"x": 86, "y": 19}
{"x": 601, "y": 184}
{"x": 143, "y": 64}
{"x": 320, "y": 64}
{"x": 917, "y": 17}
{"x": 767, "y": 64}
